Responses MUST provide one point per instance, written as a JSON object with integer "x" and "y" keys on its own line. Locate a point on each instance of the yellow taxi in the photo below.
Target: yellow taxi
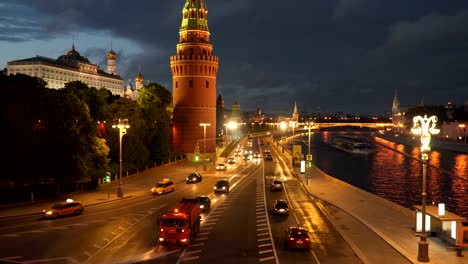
{"x": 164, "y": 186}
{"x": 69, "y": 207}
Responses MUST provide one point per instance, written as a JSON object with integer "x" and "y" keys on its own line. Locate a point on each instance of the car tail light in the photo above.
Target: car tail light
{"x": 307, "y": 239}
{"x": 291, "y": 238}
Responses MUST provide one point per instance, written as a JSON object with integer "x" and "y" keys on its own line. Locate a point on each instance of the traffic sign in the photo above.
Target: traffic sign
{"x": 309, "y": 157}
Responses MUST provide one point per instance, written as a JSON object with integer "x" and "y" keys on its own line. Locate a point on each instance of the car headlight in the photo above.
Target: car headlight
{"x": 161, "y": 239}
{"x": 224, "y": 188}
{"x": 48, "y": 212}
{"x": 202, "y": 206}
{"x": 186, "y": 179}
{"x": 214, "y": 187}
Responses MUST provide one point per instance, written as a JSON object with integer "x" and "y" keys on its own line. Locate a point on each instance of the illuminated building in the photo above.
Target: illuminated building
{"x": 194, "y": 71}
{"x": 70, "y": 67}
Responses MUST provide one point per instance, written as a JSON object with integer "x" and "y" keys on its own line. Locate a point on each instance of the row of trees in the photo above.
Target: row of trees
{"x": 65, "y": 136}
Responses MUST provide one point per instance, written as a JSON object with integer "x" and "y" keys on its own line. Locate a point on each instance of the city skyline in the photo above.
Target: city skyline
{"x": 336, "y": 56}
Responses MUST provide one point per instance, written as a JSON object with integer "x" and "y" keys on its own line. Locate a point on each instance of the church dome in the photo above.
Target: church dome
{"x": 139, "y": 78}
{"x": 111, "y": 55}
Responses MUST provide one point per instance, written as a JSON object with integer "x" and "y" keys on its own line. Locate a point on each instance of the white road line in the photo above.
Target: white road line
{"x": 263, "y": 239}
{"x": 263, "y": 234}
{"x": 12, "y": 235}
{"x": 265, "y": 245}
{"x": 193, "y": 252}
{"x": 262, "y": 224}
{"x": 201, "y": 238}
{"x": 96, "y": 246}
{"x": 265, "y": 259}
{"x": 204, "y": 233}
{"x": 263, "y": 228}
{"x": 87, "y": 253}
{"x": 265, "y": 251}
{"x": 196, "y": 245}
{"x": 207, "y": 228}
{"x": 190, "y": 258}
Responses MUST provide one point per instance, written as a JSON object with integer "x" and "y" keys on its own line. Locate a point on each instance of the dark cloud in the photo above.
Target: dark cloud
{"x": 337, "y": 55}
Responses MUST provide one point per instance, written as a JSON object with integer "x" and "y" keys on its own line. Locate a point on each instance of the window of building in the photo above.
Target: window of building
{"x": 176, "y": 84}
{"x": 207, "y": 84}
{"x": 190, "y": 83}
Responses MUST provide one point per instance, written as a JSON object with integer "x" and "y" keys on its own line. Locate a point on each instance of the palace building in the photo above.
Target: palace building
{"x": 70, "y": 67}
{"x": 194, "y": 71}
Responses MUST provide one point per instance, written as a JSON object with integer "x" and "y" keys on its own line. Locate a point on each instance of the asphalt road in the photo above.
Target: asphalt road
{"x": 239, "y": 228}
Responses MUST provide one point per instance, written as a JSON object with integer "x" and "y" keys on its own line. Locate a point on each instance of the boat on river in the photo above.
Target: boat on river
{"x": 353, "y": 144}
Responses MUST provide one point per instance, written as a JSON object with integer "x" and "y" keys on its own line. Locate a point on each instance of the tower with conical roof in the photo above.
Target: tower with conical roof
{"x": 194, "y": 70}
{"x": 295, "y": 115}
{"x": 139, "y": 80}
{"x": 111, "y": 63}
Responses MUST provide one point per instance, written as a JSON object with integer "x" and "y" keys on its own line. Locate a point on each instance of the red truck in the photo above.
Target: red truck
{"x": 180, "y": 225}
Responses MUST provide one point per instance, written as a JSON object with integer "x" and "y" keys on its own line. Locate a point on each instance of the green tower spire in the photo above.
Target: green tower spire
{"x": 194, "y": 16}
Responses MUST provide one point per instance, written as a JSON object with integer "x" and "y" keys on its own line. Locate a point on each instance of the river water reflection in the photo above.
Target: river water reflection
{"x": 395, "y": 176}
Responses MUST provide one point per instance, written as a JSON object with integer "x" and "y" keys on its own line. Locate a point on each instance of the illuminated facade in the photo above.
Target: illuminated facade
{"x": 70, "y": 67}
{"x": 194, "y": 71}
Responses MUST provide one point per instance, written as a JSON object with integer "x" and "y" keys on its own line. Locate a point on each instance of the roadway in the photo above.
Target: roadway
{"x": 239, "y": 228}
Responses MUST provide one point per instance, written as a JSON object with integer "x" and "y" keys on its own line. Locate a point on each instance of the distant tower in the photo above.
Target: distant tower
{"x": 396, "y": 104}
{"x": 220, "y": 116}
{"x": 295, "y": 115}
{"x": 194, "y": 70}
{"x": 235, "y": 114}
{"x": 111, "y": 64}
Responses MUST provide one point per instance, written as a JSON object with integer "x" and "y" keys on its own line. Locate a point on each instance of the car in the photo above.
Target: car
{"x": 232, "y": 160}
{"x": 296, "y": 237}
{"x": 276, "y": 185}
{"x": 280, "y": 207}
{"x": 221, "y": 186}
{"x": 164, "y": 186}
{"x": 221, "y": 167}
{"x": 268, "y": 157}
{"x": 256, "y": 155}
{"x": 194, "y": 177}
{"x": 69, "y": 207}
{"x": 205, "y": 202}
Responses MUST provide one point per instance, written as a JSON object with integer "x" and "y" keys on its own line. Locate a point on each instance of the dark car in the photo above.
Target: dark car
{"x": 280, "y": 207}
{"x": 222, "y": 186}
{"x": 268, "y": 157}
{"x": 194, "y": 177}
{"x": 276, "y": 185}
{"x": 205, "y": 202}
{"x": 296, "y": 237}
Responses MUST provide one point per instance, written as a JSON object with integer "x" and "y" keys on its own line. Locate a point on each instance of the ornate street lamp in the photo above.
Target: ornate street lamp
{"x": 204, "y": 125}
{"x": 421, "y": 127}
{"x": 122, "y": 126}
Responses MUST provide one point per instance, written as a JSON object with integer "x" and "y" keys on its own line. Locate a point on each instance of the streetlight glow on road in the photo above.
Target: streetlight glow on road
{"x": 204, "y": 125}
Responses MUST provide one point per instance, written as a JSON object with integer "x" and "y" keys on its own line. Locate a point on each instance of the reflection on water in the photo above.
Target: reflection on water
{"x": 392, "y": 172}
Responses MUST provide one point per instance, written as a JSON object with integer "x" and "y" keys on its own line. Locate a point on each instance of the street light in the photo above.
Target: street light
{"x": 464, "y": 131}
{"x": 421, "y": 127}
{"x": 283, "y": 127}
{"x": 122, "y": 126}
{"x": 292, "y": 124}
{"x": 231, "y": 125}
{"x": 204, "y": 125}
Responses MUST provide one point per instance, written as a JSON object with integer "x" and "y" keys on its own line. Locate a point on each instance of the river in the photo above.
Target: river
{"x": 394, "y": 175}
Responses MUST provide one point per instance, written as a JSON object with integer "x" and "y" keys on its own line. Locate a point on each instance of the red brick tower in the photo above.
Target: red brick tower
{"x": 194, "y": 71}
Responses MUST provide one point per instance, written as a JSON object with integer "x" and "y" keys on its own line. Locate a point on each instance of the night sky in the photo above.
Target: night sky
{"x": 330, "y": 55}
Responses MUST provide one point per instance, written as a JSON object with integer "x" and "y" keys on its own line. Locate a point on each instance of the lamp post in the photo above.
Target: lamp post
{"x": 122, "y": 126}
{"x": 421, "y": 127}
{"x": 464, "y": 131}
{"x": 231, "y": 125}
{"x": 283, "y": 127}
{"x": 204, "y": 125}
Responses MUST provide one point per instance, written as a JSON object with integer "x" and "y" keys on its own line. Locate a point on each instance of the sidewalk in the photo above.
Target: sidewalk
{"x": 390, "y": 221}
{"x": 134, "y": 185}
